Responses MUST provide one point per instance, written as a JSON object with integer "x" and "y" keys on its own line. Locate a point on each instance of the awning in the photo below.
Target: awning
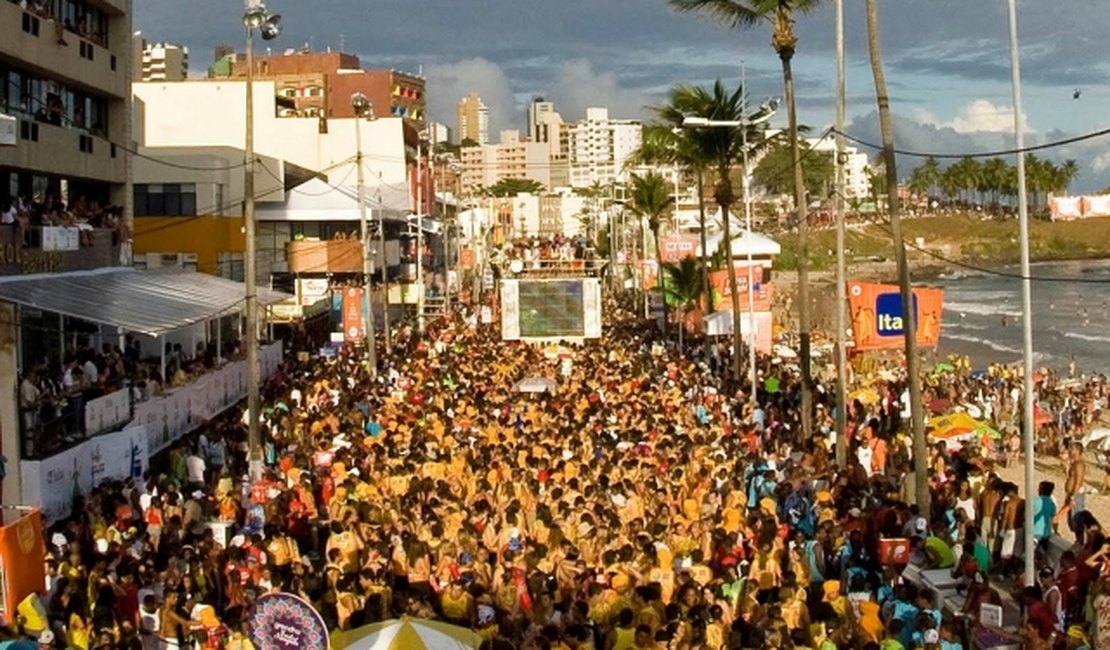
{"x": 144, "y": 302}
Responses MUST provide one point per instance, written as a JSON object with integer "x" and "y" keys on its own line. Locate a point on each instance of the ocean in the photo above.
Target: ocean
{"x": 1071, "y": 315}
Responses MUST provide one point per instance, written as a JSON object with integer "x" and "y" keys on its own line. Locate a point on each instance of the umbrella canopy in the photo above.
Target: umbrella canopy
{"x": 956, "y": 425}
{"x": 535, "y": 385}
{"x": 943, "y": 367}
{"x": 407, "y": 634}
{"x": 1041, "y": 418}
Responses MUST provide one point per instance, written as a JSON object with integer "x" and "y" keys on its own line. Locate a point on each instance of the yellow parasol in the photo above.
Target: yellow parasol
{"x": 407, "y": 634}
{"x": 865, "y": 395}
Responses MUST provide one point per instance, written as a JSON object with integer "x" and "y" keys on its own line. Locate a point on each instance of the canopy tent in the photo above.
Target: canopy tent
{"x": 407, "y": 634}
{"x": 744, "y": 241}
{"x": 536, "y": 385}
{"x": 144, "y": 302}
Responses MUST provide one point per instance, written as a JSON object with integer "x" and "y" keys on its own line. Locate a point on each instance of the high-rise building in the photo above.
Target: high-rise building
{"x": 439, "y": 133}
{"x": 320, "y": 84}
{"x": 473, "y": 117}
{"x": 537, "y": 125}
{"x": 159, "y": 61}
{"x": 599, "y": 147}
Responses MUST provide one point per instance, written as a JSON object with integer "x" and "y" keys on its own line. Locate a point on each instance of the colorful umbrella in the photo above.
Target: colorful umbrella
{"x": 943, "y": 367}
{"x": 956, "y": 425}
{"x": 407, "y": 634}
{"x": 865, "y": 395}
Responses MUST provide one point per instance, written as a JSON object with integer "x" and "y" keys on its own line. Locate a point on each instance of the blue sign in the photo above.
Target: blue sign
{"x": 888, "y": 314}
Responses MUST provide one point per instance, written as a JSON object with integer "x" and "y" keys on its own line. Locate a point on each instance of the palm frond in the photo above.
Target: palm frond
{"x": 729, "y": 13}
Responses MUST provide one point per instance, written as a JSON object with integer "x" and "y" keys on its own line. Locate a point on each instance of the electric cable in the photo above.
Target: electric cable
{"x": 988, "y": 154}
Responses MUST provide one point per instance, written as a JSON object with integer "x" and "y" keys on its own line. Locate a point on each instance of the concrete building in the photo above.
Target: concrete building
{"x": 439, "y": 133}
{"x": 69, "y": 87}
{"x": 317, "y": 171}
{"x": 473, "y": 119}
{"x": 537, "y": 125}
{"x": 320, "y": 84}
{"x": 513, "y": 157}
{"x": 857, "y": 182}
{"x": 159, "y": 61}
{"x": 599, "y": 148}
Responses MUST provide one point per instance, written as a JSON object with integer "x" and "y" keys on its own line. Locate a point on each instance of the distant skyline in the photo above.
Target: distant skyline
{"x": 947, "y": 60}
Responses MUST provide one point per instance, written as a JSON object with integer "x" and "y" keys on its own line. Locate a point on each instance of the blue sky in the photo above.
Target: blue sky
{"x": 947, "y": 60}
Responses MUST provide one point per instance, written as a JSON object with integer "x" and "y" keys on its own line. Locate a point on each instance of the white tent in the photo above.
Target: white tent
{"x": 744, "y": 242}
{"x": 316, "y": 200}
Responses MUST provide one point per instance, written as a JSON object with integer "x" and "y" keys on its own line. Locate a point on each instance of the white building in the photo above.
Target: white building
{"x": 857, "y": 182}
{"x": 599, "y": 148}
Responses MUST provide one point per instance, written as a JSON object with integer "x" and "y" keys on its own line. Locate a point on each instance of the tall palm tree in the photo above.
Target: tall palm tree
{"x": 909, "y": 318}
{"x": 651, "y": 201}
{"x": 721, "y": 148}
{"x": 684, "y": 287}
{"x": 780, "y": 14}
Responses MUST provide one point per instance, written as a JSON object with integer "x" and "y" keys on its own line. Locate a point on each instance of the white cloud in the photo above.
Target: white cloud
{"x": 1101, "y": 162}
{"x": 450, "y": 82}
{"x": 983, "y": 116}
{"x": 577, "y": 86}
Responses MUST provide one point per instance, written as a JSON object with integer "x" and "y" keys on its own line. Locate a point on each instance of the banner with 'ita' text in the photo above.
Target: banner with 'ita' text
{"x": 877, "y": 319}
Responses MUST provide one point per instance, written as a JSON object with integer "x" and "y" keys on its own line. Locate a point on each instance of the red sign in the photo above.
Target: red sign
{"x": 352, "y": 314}
{"x": 722, "y": 296}
{"x": 673, "y": 248}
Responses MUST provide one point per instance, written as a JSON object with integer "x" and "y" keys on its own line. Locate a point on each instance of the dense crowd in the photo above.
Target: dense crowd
{"x": 644, "y": 504}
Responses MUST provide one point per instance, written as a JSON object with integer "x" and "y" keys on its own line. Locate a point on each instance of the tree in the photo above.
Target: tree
{"x": 651, "y": 201}
{"x": 513, "y": 186}
{"x": 780, "y": 13}
{"x": 720, "y": 148}
{"x": 684, "y": 286}
{"x": 886, "y": 127}
{"x": 775, "y": 169}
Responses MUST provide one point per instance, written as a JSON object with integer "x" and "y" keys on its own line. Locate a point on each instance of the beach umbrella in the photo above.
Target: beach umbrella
{"x": 407, "y": 634}
{"x": 943, "y": 367}
{"x": 1040, "y": 417}
{"x": 864, "y": 395}
{"x": 952, "y": 425}
{"x": 1098, "y": 434}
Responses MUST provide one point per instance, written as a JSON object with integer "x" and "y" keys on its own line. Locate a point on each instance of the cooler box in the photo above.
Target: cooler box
{"x": 894, "y": 551}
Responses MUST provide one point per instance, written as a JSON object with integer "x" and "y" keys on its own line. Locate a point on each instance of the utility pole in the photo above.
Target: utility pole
{"x": 362, "y": 105}
{"x": 420, "y": 235}
{"x": 385, "y": 272}
{"x": 841, "y": 263}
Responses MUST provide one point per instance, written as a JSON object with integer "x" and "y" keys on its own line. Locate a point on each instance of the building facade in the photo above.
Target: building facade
{"x": 159, "y": 61}
{"x": 537, "y": 125}
{"x": 512, "y": 157}
{"x": 473, "y": 119}
{"x": 598, "y": 148}
{"x": 320, "y": 84}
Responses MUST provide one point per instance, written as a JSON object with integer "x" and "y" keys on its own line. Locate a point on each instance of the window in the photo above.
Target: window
{"x": 166, "y": 199}
{"x": 30, "y": 24}
{"x": 313, "y": 91}
{"x": 288, "y": 92}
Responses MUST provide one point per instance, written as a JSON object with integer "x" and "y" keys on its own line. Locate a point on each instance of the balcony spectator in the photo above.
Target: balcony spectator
{"x": 73, "y": 386}
{"x": 30, "y": 400}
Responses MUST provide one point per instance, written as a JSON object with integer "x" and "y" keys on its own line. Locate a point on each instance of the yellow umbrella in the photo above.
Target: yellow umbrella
{"x": 865, "y": 395}
{"x": 407, "y": 634}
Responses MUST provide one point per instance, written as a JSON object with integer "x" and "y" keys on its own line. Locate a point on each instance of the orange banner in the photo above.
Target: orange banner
{"x": 352, "y": 314}
{"x": 877, "y": 320}
{"x": 722, "y": 297}
{"x": 24, "y": 555}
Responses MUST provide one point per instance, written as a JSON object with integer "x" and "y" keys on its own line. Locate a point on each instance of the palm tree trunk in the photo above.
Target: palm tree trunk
{"x": 681, "y": 342}
{"x": 659, "y": 278}
{"x": 803, "y": 249}
{"x": 737, "y": 335}
{"x": 909, "y": 325}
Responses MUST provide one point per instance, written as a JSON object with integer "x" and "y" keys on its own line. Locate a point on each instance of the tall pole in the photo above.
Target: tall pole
{"x": 367, "y": 264}
{"x": 1026, "y": 297}
{"x": 747, "y": 182}
{"x": 385, "y": 272}
{"x": 254, "y": 371}
{"x": 419, "y": 237}
{"x": 841, "y": 264}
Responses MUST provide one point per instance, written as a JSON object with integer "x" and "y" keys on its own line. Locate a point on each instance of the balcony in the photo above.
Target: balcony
{"x": 61, "y": 151}
{"x": 40, "y": 249}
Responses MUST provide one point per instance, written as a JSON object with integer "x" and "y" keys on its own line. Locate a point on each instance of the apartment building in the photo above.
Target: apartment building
{"x": 159, "y": 61}
{"x": 473, "y": 119}
{"x": 599, "y": 148}
{"x": 511, "y": 157}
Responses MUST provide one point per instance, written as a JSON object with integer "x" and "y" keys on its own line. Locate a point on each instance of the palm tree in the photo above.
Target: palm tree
{"x": 780, "y": 13}
{"x": 721, "y": 148}
{"x": 684, "y": 287}
{"x": 651, "y": 201}
{"x": 921, "y": 475}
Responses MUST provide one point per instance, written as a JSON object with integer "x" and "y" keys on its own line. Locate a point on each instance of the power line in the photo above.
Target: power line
{"x": 988, "y": 154}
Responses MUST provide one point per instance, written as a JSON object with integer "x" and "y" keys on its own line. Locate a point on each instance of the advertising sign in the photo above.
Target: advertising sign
{"x": 281, "y": 621}
{"x": 352, "y": 314}
{"x": 722, "y": 296}
{"x": 877, "y": 319}
{"x": 674, "y": 248}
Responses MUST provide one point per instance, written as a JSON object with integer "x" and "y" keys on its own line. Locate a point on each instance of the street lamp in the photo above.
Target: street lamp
{"x": 766, "y": 112}
{"x": 365, "y": 109}
{"x": 255, "y": 17}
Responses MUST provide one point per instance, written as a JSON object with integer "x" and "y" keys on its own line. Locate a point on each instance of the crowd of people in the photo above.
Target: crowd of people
{"x": 645, "y": 503}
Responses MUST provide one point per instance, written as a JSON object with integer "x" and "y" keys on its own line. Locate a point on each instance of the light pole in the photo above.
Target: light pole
{"x": 420, "y": 235}
{"x": 766, "y": 112}
{"x": 841, "y": 263}
{"x": 255, "y": 17}
{"x": 1026, "y": 295}
{"x": 387, "y": 334}
{"x": 364, "y": 109}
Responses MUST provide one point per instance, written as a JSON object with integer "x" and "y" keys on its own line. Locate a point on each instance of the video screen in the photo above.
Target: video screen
{"x": 551, "y": 309}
